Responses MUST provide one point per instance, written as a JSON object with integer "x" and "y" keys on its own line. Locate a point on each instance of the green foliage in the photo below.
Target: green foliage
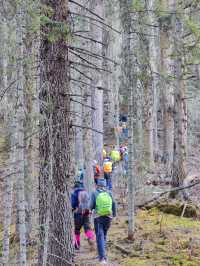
{"x": 34, "y": 25}
{"x": 158, "y": 8}
{"x": 46, "y": 10}
{"x": 193, "y": 27}
{"x": 180, "y": 259}
{"x": 138, "y": 5}
{"x": 55, "y": 30}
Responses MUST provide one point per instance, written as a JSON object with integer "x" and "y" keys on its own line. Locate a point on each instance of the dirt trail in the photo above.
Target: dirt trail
{"x": 85, "y": 257}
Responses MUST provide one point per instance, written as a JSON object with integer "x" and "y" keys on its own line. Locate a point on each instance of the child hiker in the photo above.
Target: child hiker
{"x": 80, "y": 207}
{"x": 105, "y": 208}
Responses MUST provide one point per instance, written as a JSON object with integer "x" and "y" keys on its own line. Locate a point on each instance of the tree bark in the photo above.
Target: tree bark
{"x": 55, "y": 216}
{"x": 96, "y": 34}
{"x": 180, "y": 106}
{"x": 127, "y": 83}
{"x": 20, "y": 118}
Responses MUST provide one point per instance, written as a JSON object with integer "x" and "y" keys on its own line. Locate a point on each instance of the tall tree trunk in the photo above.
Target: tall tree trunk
{"x": 20, "y": 118}
{"x": 111, "y": 81}
{"x": 127, "y": 83}
{"x": 154, "y": 63}
{"x": 8, "y": 180}
{"x": 180, "y": 106}
{"x": 167, "y": 87}
{"x": 55, "y": 216}
{"x": 96, "y": 6}
{"x": 30, "y": 126}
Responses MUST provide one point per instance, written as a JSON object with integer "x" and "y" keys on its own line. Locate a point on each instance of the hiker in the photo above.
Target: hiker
{"x": 115, "y": 155}
{"x": 96, "y": 170}
{"x": 104, "y": 209}
{"x": 80, "y": 175}
{"x": 122, "y": 150}
{"x": 104, "y": 153}
{"x": 107, "y": 169}
{"x": 125, "y": 159}
{"x": 81, "y": 211}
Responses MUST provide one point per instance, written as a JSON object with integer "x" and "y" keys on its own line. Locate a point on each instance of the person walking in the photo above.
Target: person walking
{"x": 96, "y": 171}
{"x": 80, "y": 206}
{"x": 107, "y": 169}
{"x": 104, "y": 208}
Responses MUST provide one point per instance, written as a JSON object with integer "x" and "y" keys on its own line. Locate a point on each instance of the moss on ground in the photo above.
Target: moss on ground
{"x": 165, "y": 239}
{"x": 160, "y": 239}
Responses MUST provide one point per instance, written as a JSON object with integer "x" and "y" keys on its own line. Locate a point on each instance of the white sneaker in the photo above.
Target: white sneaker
{"x": 103, "y": 262}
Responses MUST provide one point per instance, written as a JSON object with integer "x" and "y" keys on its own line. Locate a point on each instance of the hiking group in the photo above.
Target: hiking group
{"x": 100, "y": 204}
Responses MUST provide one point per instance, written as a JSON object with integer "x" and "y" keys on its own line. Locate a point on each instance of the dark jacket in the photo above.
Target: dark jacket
{"x": 74, "y": 197}
{"x": 93, "y": 201}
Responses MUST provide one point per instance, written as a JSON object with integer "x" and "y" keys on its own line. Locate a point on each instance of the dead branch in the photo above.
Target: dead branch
{"x": 86, "y": 105}
{"x": 96, "y": 68}
{"x": 80, "y": 72}
{"x": 82, "y": 58}
{"x": 90, "y": 85}
{"x": 84, "y": 127}
{"x": 6, "y": 89}
{"x": 78, "y": 95}
{"x": 165, "y": 192}
{"x": 87, "y": 9}
{"x": 123, "y": 250}
{"x": 90, "y": 39}
{"x": 89, "y": 53}
{"x": 91, "y": 18}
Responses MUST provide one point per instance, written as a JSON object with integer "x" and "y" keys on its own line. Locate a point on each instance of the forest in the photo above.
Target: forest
{"x": 100, "y": 132}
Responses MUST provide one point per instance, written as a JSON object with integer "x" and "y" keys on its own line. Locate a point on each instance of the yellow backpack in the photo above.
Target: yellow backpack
{"x": 115, "y": 155}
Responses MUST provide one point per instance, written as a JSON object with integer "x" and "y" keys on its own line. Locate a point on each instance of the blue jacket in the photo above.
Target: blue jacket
{"x": 93, "y": 201}
{"x": 74, "y": 197}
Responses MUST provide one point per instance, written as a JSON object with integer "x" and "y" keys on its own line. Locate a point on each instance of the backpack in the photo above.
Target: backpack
{"x": 107, "y": 167}
{"x": 103, "y": 204}
{"x": 115, "y": 155}
{"x": 83, "y": 199}
{"x": 96, "y": 171}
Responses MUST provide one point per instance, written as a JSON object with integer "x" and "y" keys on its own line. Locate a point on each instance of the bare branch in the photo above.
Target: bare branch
{"x": 86, "y": 105}
{"x": 88, "y": 52}
{"x": 87, "y": 9}
{"x": 6, "y": 89}
{"x": 101, "y": 22}
{"x": 90, "y": 85}
{"x": 83, "y": 74}
{"x": 96, "y": 67}
{"x": 84, "y": 127}
{"x": 82, "y": 58}
{"x": 165, "y": 192}
{"x": 88, "y": 38}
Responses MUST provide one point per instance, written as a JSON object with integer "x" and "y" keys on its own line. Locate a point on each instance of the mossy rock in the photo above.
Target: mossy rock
{"x": 176, "y": 208}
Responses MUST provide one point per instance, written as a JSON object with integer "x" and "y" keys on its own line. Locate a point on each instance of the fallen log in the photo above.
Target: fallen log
{"x": 123, "y": 250}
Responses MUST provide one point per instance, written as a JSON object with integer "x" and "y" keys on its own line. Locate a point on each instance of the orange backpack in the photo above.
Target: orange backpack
{"x": 107, "y": 167}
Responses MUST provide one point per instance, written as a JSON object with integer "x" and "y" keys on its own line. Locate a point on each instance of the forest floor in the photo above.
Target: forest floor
{"x": 160, "y": 240}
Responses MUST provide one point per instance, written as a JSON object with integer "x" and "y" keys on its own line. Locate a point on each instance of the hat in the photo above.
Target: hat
{"x": 78, "y": 179}
{"x": 94, "y": 162}
{"x": 101, "y": 182}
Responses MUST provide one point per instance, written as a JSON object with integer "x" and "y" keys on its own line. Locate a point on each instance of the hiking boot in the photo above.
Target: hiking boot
{"x": 77, "y": 247}
{"x": 91, "y": 244}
